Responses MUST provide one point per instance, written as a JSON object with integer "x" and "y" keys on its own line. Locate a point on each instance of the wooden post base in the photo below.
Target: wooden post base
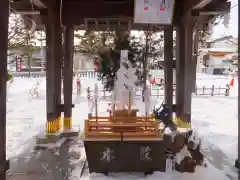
{"x": 68, "y": 133}
{"x": 53, "y": 126}
{"x": 49, "y": 141}
{"x": 67, "y": 123}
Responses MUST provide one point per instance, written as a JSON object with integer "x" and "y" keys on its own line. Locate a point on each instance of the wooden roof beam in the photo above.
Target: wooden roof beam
{"x": 213, "y": 9}
{"x": 24, "y": 7}
{"x": 74, "y": 11}
{"x": 107, "y": 23}
{"x": 39, "y": 3}
{"x": 202, "y": 4}
{"x": 36, "y": 18}
{"x": 114, "y": 26}
{"x": 195, "y": 4}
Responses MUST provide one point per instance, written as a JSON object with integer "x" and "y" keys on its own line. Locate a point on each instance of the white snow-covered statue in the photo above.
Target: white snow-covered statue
{"x": 125, "y": 83}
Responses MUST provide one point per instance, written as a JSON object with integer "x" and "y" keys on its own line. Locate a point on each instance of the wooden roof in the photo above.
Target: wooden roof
{"x": 109, "y": 13}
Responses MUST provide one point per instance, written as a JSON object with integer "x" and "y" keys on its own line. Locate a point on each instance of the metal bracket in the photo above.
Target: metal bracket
{"x": 107, "y": 23}
{"x": 61, "y": 107}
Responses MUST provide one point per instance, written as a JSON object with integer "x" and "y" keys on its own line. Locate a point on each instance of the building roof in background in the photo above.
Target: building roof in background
{"x": 224, "y": 38}
{"x": 225, "y": 50}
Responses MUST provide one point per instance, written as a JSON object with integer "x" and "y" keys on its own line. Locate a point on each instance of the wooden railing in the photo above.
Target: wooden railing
{"x": 80, "y": 74}
{"x": 86, "y": 74}
{"x": 213, "y": 91}
{"x": 158, "y": 92}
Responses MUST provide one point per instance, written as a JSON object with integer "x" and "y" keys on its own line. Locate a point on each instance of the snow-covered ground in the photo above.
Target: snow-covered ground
{"x": 199, "y": 175}
{"x": 214, "y": 118}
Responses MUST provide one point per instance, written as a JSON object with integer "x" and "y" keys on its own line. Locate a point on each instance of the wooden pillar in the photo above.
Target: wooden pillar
{"x": 188, "y": 69}
{"x": 68, "y": 76}
{"x": 50, "y": 87}
{"x": 4, "y": 15}
{"x": 237, "y": 163}
{"x": 58, "y": 60}
{"x": 168, "y": 66}
{"x": 184, "y": 72}
{"x": 53, "y": 71}
{"x": 180, "y": 69}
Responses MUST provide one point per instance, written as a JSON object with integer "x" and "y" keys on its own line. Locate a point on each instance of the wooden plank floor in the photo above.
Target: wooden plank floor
{"x": 64, "y": 163}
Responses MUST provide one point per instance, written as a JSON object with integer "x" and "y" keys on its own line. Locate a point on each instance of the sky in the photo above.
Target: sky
{"x": 220, "y": 30}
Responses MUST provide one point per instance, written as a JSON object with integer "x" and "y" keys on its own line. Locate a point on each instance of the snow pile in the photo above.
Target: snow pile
{"x": 201, "y": 174}
{"x": 184, "y": 150}
{"x": 182, "y": 154}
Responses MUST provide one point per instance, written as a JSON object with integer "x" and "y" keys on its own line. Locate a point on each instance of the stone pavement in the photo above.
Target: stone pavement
{"x": 63, "y": 163}
{"x": 67, "y": 163}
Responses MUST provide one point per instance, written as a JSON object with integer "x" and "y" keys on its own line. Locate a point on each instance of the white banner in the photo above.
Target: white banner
{"x": 153, "y": 11}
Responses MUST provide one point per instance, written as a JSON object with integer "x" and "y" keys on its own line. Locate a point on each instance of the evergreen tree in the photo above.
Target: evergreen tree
{"x": 110, "y": 60}
{"x": 22, "y": 38}
{"x": 16, "y": 31}
{"x": 29, "y": 46}
{"x": 151, "y": 51}
{"x": 104, "y": 48}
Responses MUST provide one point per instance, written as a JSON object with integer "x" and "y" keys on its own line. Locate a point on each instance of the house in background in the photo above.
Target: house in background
{"x": 82, "y": 63}
{"x": 218, "y": 57}
{"x": 35, "y": 59}
{"x": 38, "y": 61}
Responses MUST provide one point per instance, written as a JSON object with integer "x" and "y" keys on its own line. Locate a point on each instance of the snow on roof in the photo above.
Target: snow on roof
{"x": 229, "y": 50}
{"x": 232, "y": 56}
{"x": 223, "y": 38}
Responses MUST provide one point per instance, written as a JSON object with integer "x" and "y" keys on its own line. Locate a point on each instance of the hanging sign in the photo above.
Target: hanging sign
{"x": 153, "y": 11}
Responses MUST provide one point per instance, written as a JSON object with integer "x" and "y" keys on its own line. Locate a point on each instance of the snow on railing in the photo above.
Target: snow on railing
{"x": 79, "y": 74}
{"x": 86, "y": 74}
{"x": 159, "y": 92}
